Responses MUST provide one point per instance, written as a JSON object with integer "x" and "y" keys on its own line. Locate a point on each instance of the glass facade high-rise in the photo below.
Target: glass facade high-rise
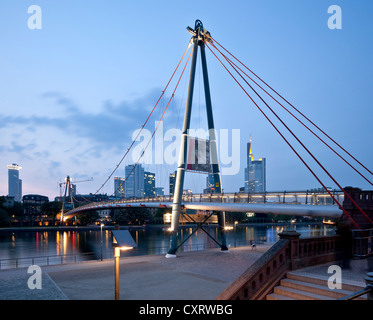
{"x": 159, "y": 191}
{"x": 14, "y": 182}
{"x": 149, "y": 184}
{"x": 255, "y": 173}
{"x": 119, "y": 187}
{"x": 134, "y": 185}
{"x": 172, "y": 181}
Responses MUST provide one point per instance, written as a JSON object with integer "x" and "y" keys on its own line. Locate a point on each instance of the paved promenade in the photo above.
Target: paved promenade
{"x": 197, "y": 275}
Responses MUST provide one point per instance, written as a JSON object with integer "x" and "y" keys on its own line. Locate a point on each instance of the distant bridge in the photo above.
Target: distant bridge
{"x": 297, "y": 203}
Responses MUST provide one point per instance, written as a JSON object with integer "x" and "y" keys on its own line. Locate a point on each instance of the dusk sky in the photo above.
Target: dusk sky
{"x": 73, "y": 92}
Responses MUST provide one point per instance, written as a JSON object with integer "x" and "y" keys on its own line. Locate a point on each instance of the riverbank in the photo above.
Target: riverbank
{"x": 148, "y": 226}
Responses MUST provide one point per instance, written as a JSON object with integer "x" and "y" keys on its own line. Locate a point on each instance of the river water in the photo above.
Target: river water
{"x": 51, "y": 247}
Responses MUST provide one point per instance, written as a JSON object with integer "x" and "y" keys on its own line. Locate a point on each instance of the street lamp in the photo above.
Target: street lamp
{"x": 122, "y": 240}
{"x": 101, "y": 225}
{"x": 235, "y": 234}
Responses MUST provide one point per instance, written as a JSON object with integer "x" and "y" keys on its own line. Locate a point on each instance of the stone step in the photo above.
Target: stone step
{"x": 318, "y": 289}
{"x": 299, "y": 294}
{"x": 275, "y": 296}
{"x": 323, "y": 280}
{"x": 302, "y": 286}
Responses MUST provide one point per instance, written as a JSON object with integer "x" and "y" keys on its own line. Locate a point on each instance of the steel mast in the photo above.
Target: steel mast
{"x": 200, "y": 35}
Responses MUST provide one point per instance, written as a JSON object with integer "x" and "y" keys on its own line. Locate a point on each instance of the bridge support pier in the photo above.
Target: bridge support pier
{"x": 199, "y": 36}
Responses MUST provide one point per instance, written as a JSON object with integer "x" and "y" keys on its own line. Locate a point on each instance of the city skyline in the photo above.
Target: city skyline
{"x": 73, "y": 96}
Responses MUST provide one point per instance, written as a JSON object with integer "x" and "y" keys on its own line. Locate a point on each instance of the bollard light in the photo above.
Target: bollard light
{"x": 122, "y": 240}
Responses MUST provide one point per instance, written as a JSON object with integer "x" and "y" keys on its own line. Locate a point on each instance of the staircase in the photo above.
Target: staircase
{"x": 301, "y": 286}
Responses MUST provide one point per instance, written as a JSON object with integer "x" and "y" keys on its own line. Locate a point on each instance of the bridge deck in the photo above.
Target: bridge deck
{"x": 331, "y": 211}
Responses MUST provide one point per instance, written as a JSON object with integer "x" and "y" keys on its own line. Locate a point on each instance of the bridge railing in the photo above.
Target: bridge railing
{"x": 295, "y": 197}
{"x": 283, "y": 197}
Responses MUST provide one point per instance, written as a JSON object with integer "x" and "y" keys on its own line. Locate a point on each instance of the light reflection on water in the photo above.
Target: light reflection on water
{"x": 149, "y": 240}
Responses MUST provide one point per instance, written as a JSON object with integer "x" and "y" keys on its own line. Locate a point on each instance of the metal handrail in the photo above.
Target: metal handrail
{"x": 60, "y": 259}
{"x": 17, "y": 262}
{"x": 357, "y": 294}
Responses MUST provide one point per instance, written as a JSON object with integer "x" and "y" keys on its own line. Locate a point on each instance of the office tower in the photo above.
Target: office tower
{"x": 159, "y": 191}
{"x": 72, "y": 190}
{"x": 210, "y": 180}
{"x": 172, "y": 182}
{"x": 210, "y": 186}
{"x": 119, "y": 187}
{"x": 134, "y": 185}
{"x": 255, "y": 173}
{"x": 14, "y": 183}
{"x": 149, "y": 184}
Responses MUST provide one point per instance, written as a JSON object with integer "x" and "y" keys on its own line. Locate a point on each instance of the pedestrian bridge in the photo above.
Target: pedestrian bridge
{"x": 297, "y": 203}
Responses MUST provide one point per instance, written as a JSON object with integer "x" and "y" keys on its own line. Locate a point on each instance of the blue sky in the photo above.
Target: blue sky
{"x": 73, "y": 92}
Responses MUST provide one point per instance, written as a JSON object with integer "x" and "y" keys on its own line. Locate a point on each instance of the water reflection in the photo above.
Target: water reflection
{"x": 149, "y": 240}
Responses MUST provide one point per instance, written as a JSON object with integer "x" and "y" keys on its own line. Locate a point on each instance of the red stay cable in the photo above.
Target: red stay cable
{"x": 231, "y": 62}
{"x": 155, "y": 130}
{"x": 308, "y": 151}
{"x": 288, "y": 143}
{"x": 146, "y": 121}
{"x": 295, "y": 108}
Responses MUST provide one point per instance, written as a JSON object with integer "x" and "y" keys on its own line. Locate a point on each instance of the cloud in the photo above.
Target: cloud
{"x": 23, "y": 150}
{"x": 109, "y": 129}
{"x": 75, "y": 141}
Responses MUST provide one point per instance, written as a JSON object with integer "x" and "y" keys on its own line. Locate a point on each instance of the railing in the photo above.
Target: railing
{"x": 367, "y": 290}
{"x": 80, "y": 257}
{"x": 45, "y": 260}
{"x": 253, "y": 283}
{"x": 283, "y": 197}
{"x": 295, "y": 197}
{"x": 362, "y": 243}
{"x": 289, "y": 253}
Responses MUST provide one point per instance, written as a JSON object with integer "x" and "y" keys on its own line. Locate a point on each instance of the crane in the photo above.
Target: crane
{"x": 68, "y": 186}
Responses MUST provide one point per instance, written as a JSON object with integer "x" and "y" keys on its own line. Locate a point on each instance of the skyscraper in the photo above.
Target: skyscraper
{"x": 14, "y": 182}
{"x": 159, "y": 191}
{"x": 255, "y": 172}
{"x": 134, "y": 185}
{"x": 210, "y": 185}
{"x": 119, "y": 187}
{"x": 172, "y": 181}
{"x": 149, "y": 184}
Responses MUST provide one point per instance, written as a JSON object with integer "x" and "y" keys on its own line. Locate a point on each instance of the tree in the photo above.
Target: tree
{"x": 131, "y": 215}
{"x": 4, "y": 218}
{"x": 17, "y": 212}
{"x": 87, "y": 217}
{"x": 51, "y": 209}
{"x": 231, "y": 217}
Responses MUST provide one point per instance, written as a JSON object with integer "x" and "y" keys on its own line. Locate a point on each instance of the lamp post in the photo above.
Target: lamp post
{"x": 116, "y": 268}
{"x": 101, "y": 225}
{"x": 122, "y": 240}
{"x": 235, "y": 234}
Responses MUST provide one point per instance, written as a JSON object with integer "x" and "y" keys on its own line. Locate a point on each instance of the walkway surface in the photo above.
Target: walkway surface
{"x": 196, "y": 275}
